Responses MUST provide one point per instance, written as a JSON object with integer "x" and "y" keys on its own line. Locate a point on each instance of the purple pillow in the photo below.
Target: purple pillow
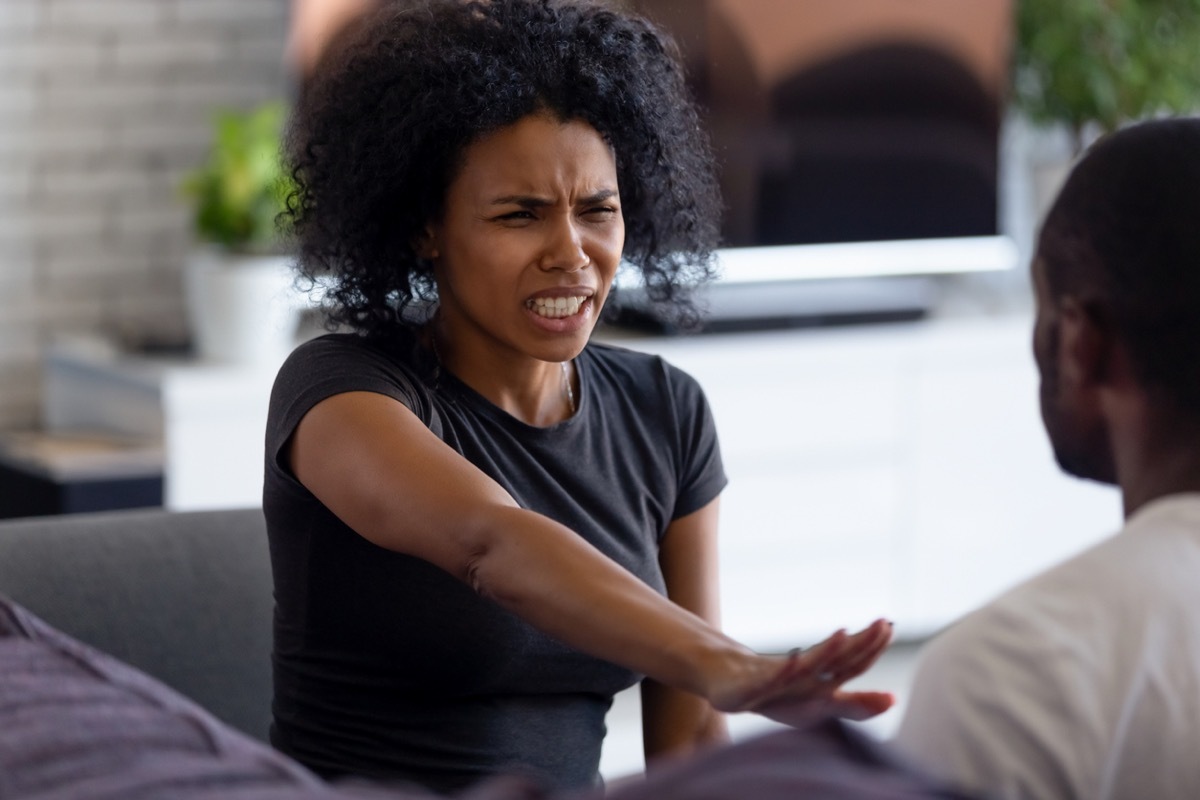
{"x": 829, "y": 760}
{"x": 75, "y": 723}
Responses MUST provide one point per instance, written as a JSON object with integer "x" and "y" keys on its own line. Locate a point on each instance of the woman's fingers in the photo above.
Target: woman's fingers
{"x": 797, "y": 678}
{"x": 860, "y": 705}
{"x": 841, "y": 657}
{"x": 799, "y": 714}
{"x": 819, "y": 661}
{"x": 864, "y": 649}
{"x": 809, "y": 682}
{"x": 855, "y": 706}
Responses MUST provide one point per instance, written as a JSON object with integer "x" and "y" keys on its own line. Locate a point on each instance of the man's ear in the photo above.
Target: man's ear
{"x": 1086, "y": 343}
{"x": 424, "y": 244}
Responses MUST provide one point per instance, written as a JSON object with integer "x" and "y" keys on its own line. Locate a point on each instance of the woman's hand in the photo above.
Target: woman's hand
{"x": 795, "y": 688}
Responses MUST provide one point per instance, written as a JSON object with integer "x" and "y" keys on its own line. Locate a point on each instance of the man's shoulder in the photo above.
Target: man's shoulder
{"x": 990, "y": 705}
{"x": 1023, "y": 694}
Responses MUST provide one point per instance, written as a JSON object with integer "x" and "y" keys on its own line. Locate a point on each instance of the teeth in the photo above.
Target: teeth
{"x": 556, "y": 307}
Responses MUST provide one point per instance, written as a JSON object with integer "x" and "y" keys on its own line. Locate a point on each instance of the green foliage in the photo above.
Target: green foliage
{"x": 1106, "y": 61}
{"x": 242, "y": 187}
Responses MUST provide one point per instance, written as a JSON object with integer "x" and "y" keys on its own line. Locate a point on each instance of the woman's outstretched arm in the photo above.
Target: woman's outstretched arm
{"x": 369, "y": 460}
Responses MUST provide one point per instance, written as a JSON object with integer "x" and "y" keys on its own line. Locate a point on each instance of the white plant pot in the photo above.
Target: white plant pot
{"x": 243, "y": 309}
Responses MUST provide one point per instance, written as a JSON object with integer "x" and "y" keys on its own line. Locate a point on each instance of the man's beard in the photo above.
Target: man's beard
{"x": 1079, "y": 450}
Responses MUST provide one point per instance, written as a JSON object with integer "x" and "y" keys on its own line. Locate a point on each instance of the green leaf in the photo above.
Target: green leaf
{"x": 242, "y": 187}
{"x": 1106, "y": 61}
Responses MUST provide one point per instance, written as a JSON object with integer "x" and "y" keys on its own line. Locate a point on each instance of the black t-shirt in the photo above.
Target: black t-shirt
{"x": 387, "y": 667}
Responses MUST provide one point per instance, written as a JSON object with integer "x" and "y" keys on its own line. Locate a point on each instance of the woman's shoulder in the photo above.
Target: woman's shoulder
{"x": 615, "y": 353}
{"x": 336, "y": 362}
{"x": 641, "y": 369}
{"x": 349, "y": 350}
{"x": 330, "y": 343}
{"x": 618, "y": 355}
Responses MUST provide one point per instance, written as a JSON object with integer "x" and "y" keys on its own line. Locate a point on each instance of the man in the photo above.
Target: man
{"x": 1084, "y": 682}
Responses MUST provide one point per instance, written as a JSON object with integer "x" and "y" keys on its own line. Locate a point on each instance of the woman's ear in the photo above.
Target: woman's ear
{"x": 425, "y": 244}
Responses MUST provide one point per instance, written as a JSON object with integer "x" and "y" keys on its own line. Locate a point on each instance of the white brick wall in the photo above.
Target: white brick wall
{"x": 104, "y": 104}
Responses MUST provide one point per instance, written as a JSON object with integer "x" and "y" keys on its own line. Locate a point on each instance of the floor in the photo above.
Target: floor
{"x": 622, "y": 754}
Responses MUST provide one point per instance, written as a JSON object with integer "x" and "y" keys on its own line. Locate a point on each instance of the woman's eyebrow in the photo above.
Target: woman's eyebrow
{"x": 525, "y": 200}
{"x": 533, "y": 201}
{"x": 599, "y": 197}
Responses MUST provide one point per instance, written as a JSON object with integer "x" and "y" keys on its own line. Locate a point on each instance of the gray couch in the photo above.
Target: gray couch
{"x": 183, "y": 596}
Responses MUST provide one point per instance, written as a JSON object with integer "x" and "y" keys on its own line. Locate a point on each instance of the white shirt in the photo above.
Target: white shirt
{"x": 1083, "y": 682}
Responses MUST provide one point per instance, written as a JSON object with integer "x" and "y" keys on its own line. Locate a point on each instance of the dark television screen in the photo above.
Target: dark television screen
{"x": 855, "y": 137}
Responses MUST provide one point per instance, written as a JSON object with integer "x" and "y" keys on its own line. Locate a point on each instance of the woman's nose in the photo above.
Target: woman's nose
{"x": 563, "y": 248}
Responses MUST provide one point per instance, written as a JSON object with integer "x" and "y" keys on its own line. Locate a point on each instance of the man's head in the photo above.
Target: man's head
{"x": 1117, "y": 277}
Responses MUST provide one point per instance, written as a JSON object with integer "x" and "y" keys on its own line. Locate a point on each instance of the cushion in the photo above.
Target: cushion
{"x": 183, "y": 596}
{"x": 827, "y": 760}
{"x": 75, "y": 723}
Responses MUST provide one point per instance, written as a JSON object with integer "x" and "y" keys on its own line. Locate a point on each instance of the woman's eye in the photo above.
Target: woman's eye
{"x": 602, "y": 211}
{"x": 517, "y": 215}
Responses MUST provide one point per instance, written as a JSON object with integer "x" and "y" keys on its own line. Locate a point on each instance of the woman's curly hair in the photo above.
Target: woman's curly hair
{"x": 378, "y": 136}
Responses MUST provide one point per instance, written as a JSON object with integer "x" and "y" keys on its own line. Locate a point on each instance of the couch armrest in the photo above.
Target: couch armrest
{"x": 184, "y": 596}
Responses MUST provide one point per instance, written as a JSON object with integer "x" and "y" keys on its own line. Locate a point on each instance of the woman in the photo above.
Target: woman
{"x": 473, "y": 512}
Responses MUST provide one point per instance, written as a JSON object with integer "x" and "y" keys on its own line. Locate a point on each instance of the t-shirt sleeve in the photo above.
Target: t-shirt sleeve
{"x": 701, "y": 471}
{"x": 327, "y": 366}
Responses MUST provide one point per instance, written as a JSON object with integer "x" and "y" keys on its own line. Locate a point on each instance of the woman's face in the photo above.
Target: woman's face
{"x": 530, "y": 240}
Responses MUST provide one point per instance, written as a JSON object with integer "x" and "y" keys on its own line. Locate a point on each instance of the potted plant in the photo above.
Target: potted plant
{"x": 1096, "y": 64}
{"x": 238, "y": 282}
{"x": 1085, "y": 67}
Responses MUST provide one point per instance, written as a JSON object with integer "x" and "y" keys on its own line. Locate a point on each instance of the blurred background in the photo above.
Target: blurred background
{"x": 139, "y": 181}
{"x": 105, "y": 106}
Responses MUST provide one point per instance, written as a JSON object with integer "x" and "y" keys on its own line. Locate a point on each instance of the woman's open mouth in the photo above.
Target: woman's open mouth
{"x": 556, "y": 307}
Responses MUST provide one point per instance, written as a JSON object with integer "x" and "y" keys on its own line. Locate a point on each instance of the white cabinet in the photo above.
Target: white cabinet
{"x": 210, "y": 418}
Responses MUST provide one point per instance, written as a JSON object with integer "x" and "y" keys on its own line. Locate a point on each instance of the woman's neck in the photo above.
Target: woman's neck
{"x": 538, "y": 393}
